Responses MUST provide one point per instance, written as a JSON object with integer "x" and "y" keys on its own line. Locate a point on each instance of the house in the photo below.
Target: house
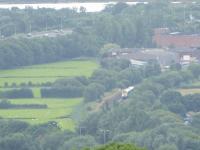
{"x": 164, "y": 39}
{"x": 187, "y": 55}
{"x": 120, "y": 51}
{"x": 142, "y": 56}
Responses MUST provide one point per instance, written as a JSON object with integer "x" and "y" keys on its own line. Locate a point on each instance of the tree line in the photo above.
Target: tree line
{"x": 5, "y": 104}
{"x": 127, "y": 26}
{"x": 20, "y": 52}
{"x": 17, "y": 93}
{"x": 22, "y": 136}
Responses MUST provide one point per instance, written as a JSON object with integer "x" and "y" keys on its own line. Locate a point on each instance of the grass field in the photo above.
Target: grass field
{"x": 59, "y": 110}
{"x": 48, "y": 72}
{"x": 189, "y": 91}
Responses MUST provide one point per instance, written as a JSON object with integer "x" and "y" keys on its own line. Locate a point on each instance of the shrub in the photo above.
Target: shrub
{"x": 17, "y": 93}
{"x": 65, "y": 92}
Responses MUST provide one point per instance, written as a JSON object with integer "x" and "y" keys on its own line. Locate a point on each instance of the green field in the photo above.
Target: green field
{"x": 38, "y": 74}
{"x": 59, "y": 110}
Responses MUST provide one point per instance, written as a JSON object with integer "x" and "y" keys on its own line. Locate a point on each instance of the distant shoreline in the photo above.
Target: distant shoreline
{"x": 59, "y": 2}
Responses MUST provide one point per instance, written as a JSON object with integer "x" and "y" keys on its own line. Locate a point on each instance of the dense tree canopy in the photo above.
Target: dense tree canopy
{"x": 153, "y": 115}
{"x": 116, "y": 146}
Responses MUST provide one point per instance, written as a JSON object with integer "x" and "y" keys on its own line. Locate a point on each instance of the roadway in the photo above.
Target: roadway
{"x": 48, "y": 33}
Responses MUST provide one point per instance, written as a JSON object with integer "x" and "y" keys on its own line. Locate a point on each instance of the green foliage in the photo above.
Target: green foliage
{"x": 64, "y": 92}
{"x": 21, "y": 52}
{"x": 65, "y": 88}
{"x": 196, "y": 121}
{"x": 152, "y": 69}
{"x": 11, "y": 127}
{"x": 17, "y": 93}
{"x": 73, "y": 82}
{"x": 192, "y": 102}
{"x": 156, "y": 88}
{"x": 116, "y": 146}
{"x": 5, "y": 104}
{"x": 107, "y": 78}
{"x": 115, "y": 64}
{"x": 195, "y": 69}
{"x": 134, "y": 76}
{"x": 170, "y": 97}
{"x": 18, "y": 142}
{"x": 153, "y": 114}
{"x": 108, "y": 48}
{"x": 55, "y": 140}
{"x": 81, "y": 142}
{"x": 173, "y": 100}
{"x": 93, "y": 92}
{"x": 175, "y": 66}
{"x": 171, "y": 79}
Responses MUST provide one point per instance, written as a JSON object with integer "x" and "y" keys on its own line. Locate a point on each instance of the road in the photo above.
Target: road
{"x": 49, "y": 33}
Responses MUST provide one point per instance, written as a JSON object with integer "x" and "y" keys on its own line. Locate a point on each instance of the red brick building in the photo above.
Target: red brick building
{"x": 163, "y": 38}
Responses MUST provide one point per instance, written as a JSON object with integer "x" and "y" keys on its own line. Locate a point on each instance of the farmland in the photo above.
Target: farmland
{"x": 38, "y": 74}
{"x": 59, "y": 110}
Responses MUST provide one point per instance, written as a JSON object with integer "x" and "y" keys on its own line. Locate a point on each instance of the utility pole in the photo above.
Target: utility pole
{"x": 184, "y": 13}
{"x": 30, "y": 28}
{"x": 61, "y": 24}
{"x": 15, "y": 32}
{"x": 80, "y": 130}
{"x": 46, "y": 25}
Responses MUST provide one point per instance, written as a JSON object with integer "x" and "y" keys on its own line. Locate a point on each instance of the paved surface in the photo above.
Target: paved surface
{"x": 49, "y": 33}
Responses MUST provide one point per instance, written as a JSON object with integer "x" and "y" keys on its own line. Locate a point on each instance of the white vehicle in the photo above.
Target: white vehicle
{"x": 126, "y": 91}
{"x": 29, "y": 34}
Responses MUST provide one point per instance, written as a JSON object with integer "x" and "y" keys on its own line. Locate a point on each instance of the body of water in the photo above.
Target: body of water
{"x": 90, "y": 7}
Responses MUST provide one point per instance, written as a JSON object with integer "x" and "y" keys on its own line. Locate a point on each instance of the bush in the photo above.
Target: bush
{"x": 117, "y": 146}
{"x": 117, "y": 64}
{"x": 66, "y": 92}
{"x": 94, "y": 91}
{"x": 192, "y": 102}
{"x": 6, "y": 85}
{"x": 5, "y": 104}
{"x": 17, "y": 93}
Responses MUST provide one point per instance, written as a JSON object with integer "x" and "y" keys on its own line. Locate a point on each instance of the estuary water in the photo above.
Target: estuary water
{"x": 89, "y": 6}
